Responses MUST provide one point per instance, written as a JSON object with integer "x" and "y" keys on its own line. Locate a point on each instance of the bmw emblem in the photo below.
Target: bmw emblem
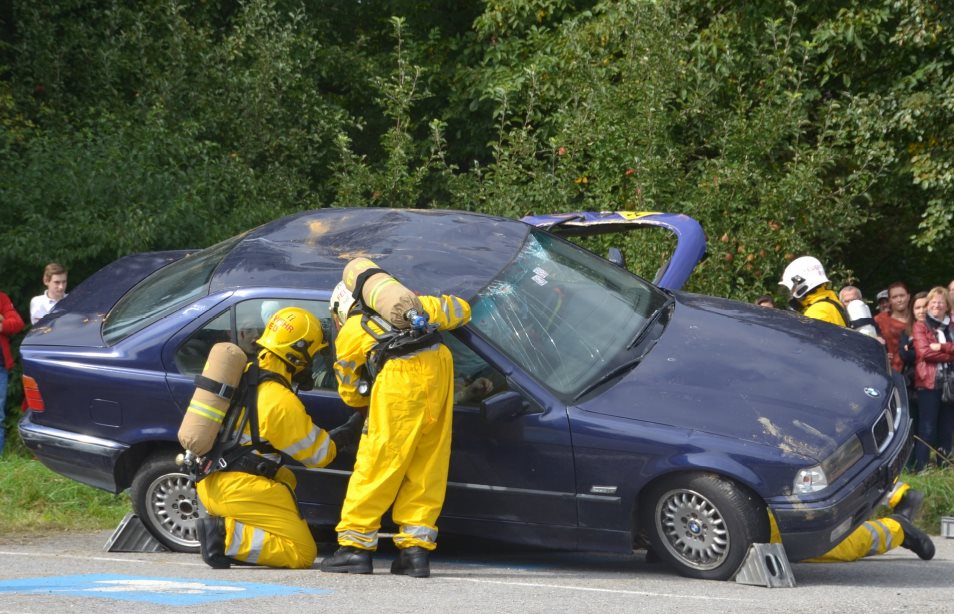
{"x": 871, "y": 392}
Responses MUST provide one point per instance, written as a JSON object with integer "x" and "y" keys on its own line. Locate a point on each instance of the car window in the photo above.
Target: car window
{"x": 243, "y": 324}
{"x": 165, "y": 291}
{"x": 474, "y": 378}
{"x": 563, "y": 314}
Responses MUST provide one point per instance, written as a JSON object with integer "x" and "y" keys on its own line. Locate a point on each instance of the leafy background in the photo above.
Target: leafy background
{"x": 786, "y": 128}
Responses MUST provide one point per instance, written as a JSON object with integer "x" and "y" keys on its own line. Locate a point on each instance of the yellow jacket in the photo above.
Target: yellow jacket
{"x": 815, "y": 306}
{"x": 353, "y": 342}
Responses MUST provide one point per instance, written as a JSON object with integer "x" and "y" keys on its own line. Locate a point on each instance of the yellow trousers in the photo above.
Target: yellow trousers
{"x": 262, "y": 523}
{"x": 873, "y": 537}
{"x": 404, "y": 456}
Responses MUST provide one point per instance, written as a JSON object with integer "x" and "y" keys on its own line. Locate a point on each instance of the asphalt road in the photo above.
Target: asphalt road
{"x": 72, "y": 572}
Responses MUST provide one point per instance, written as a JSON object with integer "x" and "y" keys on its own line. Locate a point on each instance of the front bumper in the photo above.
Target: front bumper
{"x": 90, "y": 460}
{"x": 812, "y": 529}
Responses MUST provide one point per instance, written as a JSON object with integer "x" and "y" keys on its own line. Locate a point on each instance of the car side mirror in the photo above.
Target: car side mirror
{"x": 503, "y": 406}
{"x": 616, "y": 257}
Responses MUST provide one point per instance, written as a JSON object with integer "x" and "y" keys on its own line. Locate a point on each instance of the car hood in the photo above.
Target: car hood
{"x": 765, "y": 376}
{"x": 77, "y": 319}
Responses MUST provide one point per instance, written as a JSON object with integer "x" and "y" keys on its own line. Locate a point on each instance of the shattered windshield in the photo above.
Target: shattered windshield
{"x": 563, "y": 314}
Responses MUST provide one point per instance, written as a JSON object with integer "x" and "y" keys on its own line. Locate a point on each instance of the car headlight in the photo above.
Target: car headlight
{"x": 809, "y": 480}
{"x": 813, "y": 479}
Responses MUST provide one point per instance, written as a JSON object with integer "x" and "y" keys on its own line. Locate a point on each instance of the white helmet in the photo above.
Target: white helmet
{"x": 342, "y": 300}
{"x": 803, "y": 275}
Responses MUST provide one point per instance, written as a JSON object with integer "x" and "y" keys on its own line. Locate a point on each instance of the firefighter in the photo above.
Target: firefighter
{"x": 809, "y": 287}
{"x": 403, "y": 456}
{"x": 811, "y": 291}
{"x": 253, "y": 515}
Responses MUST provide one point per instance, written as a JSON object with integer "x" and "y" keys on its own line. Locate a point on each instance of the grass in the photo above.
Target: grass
{"x": 38, "y": 501}
{"x": 938, "y": 487}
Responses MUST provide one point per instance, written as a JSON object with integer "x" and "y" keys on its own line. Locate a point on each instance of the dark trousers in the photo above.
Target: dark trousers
{"x": 935, "y": 427}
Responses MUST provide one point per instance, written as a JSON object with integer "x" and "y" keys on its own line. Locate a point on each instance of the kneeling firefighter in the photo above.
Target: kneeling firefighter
{"x": 253, "y": 515}
{"x": 390, "y": 357}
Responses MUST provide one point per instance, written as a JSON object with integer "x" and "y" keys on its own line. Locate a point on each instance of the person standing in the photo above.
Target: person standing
{"x": 54, "y": 278}
{"x": 10, "y": 324}
{"x": 811, "y": 292}
{"x": 894, "y": 321}
{"x": 253, "y": 515}
{"x": 934, "y": 352}
{"x": 404, "y": 456}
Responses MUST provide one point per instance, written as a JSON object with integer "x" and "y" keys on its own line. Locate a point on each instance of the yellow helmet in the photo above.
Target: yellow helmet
{"x": 294, "y": 335}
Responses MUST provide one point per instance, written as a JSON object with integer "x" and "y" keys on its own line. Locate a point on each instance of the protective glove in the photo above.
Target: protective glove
{"x": 347, "y": 435}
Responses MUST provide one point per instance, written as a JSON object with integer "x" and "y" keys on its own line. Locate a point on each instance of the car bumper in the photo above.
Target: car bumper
{"x": 86, "y": 459}
{"x": 812, "y": 529}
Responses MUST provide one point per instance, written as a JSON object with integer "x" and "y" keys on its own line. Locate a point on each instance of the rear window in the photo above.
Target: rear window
{"x": 165, "y": 291}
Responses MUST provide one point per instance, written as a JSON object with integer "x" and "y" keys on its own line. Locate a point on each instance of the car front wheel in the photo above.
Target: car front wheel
{"x": 703, "y": 524}
{"x": 164, "y": 498}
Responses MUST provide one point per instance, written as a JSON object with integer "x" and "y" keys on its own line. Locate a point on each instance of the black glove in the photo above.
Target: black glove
{"x": 347, "y": 435}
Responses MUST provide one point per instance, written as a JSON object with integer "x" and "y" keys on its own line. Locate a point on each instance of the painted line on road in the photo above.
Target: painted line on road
{"x": 591, "y": 589}
{"x": 158, "y": 590}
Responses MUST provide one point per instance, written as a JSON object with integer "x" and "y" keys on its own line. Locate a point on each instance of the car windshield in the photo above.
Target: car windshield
{"x": 565, "y": 315}
{"x": 165, "y": 291}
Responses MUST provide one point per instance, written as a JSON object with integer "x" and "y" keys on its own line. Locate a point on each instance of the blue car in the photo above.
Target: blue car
{"x": 620, "y": 414}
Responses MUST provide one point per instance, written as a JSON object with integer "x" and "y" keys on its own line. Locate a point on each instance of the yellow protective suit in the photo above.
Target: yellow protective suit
{"x": 262, "y": 522}
{"x": 816, "y": 307}
{"x": 404, "y": 456}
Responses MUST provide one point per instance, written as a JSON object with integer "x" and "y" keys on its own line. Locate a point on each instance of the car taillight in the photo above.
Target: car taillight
{"x": 31, "y": 390}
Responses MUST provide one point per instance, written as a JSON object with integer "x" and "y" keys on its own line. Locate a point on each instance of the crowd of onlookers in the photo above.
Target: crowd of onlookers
{"x": 54, "y": 278}
{"x": 917, "y": 334}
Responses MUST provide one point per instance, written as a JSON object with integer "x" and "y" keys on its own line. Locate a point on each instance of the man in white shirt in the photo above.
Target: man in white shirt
{"x": 54, "y": 278}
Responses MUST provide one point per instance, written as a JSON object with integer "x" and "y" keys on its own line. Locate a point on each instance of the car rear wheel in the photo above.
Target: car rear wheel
{"x": 703, "y": 524}
{"x": 164, "y": 498}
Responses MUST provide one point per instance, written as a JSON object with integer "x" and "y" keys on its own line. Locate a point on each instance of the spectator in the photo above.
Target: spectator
{"x": 765, "y": 300}
{"x": 883, "y": 302}
{"x": 848, "y": 294}
{"x": 950, "y": 288}
{"x": 933, "y": 346}
{"x": 10, "y": 324}
{"x": 918, "y": 308}
{"x": 54, "y": 278}
{"x": 894, "y": 321}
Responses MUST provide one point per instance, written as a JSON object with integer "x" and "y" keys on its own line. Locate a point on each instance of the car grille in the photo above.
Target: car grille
{"x": 888, "y": 422}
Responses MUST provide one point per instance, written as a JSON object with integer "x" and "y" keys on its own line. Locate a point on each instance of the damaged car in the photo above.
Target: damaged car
{"x": 622, "y": 414}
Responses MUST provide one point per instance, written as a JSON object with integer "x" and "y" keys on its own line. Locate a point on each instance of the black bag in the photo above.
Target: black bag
{"x": 945, "y": 381}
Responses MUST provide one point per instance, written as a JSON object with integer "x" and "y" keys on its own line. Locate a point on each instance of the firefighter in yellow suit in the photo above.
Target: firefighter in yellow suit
{"x": 808, "y": 285}
{"x": 404, "y": 455}
{"x": 253, "y": 518}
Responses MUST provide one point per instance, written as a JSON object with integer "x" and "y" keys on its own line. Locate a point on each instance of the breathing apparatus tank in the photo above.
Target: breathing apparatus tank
{"x": 860, "y": 319}
{"x": 382, "y": 293}
{"x": 214, "y": 390}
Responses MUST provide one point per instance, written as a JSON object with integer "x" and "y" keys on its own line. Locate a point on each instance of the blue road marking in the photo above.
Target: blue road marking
{"x": 163, "y": 591}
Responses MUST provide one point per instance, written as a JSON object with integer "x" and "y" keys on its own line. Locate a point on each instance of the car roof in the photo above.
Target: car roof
{"x": 429, "y": 251}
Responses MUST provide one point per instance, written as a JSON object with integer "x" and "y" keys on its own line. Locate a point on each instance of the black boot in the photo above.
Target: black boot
{"x": 412, "y": 562}
{"x": 211, "y": 534}
{"x": 915, "y": 540}
{"x": 910, "y": 504}
{"x": 348, "y": 559}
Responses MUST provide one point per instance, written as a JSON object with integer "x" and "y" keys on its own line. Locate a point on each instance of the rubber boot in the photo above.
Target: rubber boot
{"x": 413, "y": 561}
{"x": 915, "y": 540}
{"x": 348, "y": 559}
{"x": 910, "y": 504}
{"x": 211, "y": 534}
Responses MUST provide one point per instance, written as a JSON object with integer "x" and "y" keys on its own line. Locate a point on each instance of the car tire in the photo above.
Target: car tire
{"x": 702, "y": 524}
{"x": 164, "y": 498}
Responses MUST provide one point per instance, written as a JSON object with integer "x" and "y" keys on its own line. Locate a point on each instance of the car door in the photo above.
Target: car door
{"x": 514, "y": 472}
